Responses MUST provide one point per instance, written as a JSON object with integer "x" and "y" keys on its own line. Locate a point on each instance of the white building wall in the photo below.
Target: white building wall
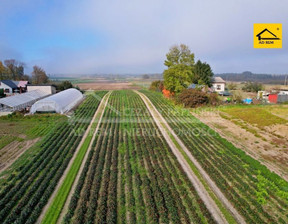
{"x": 4, "y": 86}
{"x": 218, "y": 87}
{"x": 283, "y": 92}
{"x": 46, "y": 89}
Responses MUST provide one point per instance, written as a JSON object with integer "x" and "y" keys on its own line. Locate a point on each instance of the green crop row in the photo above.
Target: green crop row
{"x": 131, "y": 175}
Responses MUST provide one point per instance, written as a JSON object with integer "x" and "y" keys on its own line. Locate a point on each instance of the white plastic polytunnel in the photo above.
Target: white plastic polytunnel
{"x": 21, "y": 101}
{"x": 60, "y": 102}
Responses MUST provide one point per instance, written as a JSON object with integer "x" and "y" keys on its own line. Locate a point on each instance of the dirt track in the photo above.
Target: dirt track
{"x": 100, "y": 109}
{"x": 209, "y": 202}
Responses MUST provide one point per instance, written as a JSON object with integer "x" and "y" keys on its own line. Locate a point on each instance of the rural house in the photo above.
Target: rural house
{"x": 8, "y": 86}
{"x": 218, "y": 84}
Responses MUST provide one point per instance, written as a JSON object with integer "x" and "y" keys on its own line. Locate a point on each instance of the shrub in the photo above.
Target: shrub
{"x": 252, "y": 87}
{"x": 213, "y": 99}
{"x": 237, "y": 98}
{"x": 232, "y": 86}
{"x": 193, "y": 98}
{"x": 157, "y": 85}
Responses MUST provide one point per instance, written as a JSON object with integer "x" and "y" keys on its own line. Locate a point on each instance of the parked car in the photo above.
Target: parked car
{"x": 225, "y": 93}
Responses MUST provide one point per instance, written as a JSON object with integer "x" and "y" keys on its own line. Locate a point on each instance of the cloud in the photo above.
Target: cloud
{"x": 134, "y": 36}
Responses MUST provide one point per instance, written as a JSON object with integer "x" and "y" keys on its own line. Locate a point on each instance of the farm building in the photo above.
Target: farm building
{"x": 60, "y": 102}
{"x": 22, "y": 85}
{"x": 282, "y": 98}
{"x": 20, "y": 101}
{"x": 50, "y": 89}
{"x": 283, "y": 91}
{"x": 272, "y": 98}
{"x": 218, "y": 84}
{"x": 278, "y": 98}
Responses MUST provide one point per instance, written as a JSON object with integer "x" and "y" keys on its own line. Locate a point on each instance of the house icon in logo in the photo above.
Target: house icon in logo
{"x": 266, "y": 31}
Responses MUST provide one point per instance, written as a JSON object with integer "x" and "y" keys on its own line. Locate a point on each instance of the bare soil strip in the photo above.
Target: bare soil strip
{"x": 207, "y": 199}
{"x": 13, "y": 151}
{"x": 101, "y": 110}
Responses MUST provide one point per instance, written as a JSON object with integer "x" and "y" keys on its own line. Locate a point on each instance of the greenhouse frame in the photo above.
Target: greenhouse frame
{"x": 60, "y": 102}
{"x": 21, "y": 101}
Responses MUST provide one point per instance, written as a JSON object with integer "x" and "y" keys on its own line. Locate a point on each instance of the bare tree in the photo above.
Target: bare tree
{"x": 39, "y": 75}
{"x": 15, "y": 69}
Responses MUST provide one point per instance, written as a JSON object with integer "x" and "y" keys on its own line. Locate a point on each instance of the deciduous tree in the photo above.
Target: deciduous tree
{"x": 180, "y": 62}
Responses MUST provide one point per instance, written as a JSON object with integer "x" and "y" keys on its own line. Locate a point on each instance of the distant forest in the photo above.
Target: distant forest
{"x": 249, "y": 76}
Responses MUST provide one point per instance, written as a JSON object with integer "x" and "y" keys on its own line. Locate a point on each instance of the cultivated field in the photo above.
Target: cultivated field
{"x": 25, "y": 192}
{"x": 257, "y": 193}
{"x": 107, "y": 86}
{"x": 19, "y": 133}
{"x": 262, "y": 131}
{"x": 134, "y": 157}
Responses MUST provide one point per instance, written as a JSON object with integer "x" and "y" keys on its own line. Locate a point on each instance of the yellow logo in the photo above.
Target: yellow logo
{"x": 267, "y": 35}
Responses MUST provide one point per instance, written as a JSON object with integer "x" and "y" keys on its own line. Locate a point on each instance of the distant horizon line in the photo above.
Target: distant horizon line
{"x": 139, "y": 74}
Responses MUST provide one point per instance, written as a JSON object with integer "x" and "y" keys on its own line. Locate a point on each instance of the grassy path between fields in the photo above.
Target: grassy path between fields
{"x": 221, "y": 209}
{"x": 59, "y": 201}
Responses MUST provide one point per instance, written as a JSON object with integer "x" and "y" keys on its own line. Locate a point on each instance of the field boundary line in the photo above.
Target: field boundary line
{"x": 206, "y": 188}
{"x": 63, "y": 177}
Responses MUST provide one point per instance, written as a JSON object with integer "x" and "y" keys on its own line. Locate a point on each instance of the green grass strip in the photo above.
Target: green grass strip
{"x": 62, "y": 194}
{"x": 60, "y": 198}
{"x": 228, "y": 216}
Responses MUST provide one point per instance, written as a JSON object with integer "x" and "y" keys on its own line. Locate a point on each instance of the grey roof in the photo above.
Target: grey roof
{"x": 10, "y": 83}
{"x": 217, "y": 80}
{"x": 20, "y": 99}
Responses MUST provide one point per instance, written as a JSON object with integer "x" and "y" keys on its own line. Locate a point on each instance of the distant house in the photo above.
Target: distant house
{"x": 218, "y": 84}
{"x": 50, "y": 89}
{"x": 8, "y": 86}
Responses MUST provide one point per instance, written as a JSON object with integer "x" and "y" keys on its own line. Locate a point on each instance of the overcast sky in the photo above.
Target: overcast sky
{"x": 133, "y": 36}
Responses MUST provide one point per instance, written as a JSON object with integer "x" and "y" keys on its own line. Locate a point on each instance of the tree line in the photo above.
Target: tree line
{"x": 249, "y": 76}
{"x": 12, "y": 69}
